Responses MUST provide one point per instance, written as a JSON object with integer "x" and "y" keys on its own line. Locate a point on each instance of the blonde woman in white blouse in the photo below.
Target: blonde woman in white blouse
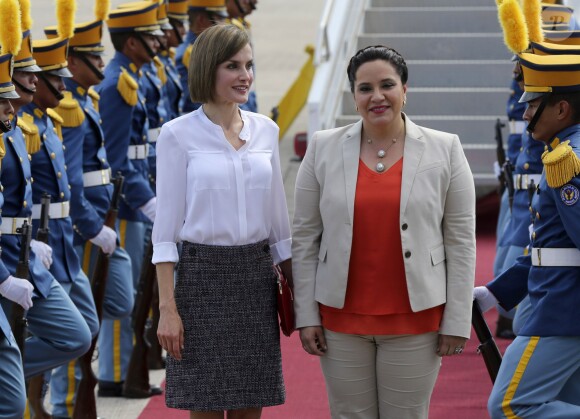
{"x": 220, "y": 193}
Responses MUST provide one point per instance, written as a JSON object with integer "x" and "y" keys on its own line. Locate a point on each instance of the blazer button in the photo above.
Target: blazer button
{"x": 407, "y": 254}
{"x": 404, "y": 226}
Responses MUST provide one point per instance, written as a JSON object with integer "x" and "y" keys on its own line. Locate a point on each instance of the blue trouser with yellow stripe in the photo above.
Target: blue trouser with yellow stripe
{"x": 539, "y": 378}
{"x": 116, "y": 337}
{"x": 65, "y": 378}
{"x": 12, "y": 391}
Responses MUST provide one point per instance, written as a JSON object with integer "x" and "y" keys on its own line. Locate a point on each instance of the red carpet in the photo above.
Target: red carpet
{"x": 462, "y": 387}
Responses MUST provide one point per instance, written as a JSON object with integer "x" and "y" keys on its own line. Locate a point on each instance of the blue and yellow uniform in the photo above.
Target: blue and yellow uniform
{"x": 125, "y": 126}
{"x": 540, "y": 371}
{"x": 173, "y": 89}
{"x": 12, "y": 388}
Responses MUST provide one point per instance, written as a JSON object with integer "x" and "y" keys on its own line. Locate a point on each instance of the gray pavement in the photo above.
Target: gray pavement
{"x": 280, "y": 29}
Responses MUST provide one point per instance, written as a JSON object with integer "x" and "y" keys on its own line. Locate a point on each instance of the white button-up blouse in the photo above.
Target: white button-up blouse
{"x": 210, "y": 193}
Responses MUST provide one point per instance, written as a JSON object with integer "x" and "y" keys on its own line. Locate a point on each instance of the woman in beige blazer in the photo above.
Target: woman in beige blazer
{"x": 386, "y": 375}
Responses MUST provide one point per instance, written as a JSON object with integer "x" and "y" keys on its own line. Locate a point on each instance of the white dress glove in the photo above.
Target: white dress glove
{"x": 484, "y": 298}
{"x": 17, "y": 290}
{"x": 149, "y": 209}
{"x": 496, "y": 169}
{"x": 106, "y": 240}
{"x": 42, "y": 251}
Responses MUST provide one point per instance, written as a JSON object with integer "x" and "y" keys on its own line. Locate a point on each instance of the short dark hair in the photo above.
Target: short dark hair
{"x": 373, "y": 53}
{"x": 212, "y": 47}
{"x": 119, "y": 39}
{"x": 573, "y": 98}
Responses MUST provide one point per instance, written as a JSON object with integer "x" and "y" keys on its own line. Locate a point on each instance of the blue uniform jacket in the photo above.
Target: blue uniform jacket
{"x": 515, "y": 112}
{"x": 173, "y": 88}
{"x": 554, "y": 291}
{"x": 186, "y": 105}
{"x": 529, "y": 162}
{"x": 16, "y": 181}
{"x": 153, "y": 90}
{"x": 50, "y": 175}
{"x": 125, "y": 125}
{"x": 85, "y": 152}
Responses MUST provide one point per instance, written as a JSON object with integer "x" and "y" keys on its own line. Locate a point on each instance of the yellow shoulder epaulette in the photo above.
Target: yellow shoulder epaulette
{"x": 186, "y": 56}
{"x": 57, "y": 121}
{"x": 30, "y": 132}
{"x": 238, "y": 23}
{"x": 2, "y": 148}
{"x": 160, "y": 70}
{"x": 69, "y": 109}
{"x": 95, "y": 97}
{"x": 561, "y": 164}
{"x": 127, "y": 87}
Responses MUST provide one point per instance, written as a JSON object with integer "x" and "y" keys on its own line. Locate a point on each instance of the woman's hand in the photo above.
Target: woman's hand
{"x": 313, "y": 340}
{"x": 170, "y": 331}
{"x": 450, "y": 345}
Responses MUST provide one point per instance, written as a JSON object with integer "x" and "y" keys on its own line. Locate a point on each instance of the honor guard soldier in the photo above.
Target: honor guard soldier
{"x": 202, "y": 14}
{"x": 49, "y": 171}
{"x": 59, "y": 332}
{"x": 89, "y": 175}
{"x": 177, "y": 16}
{"x": 134, "y": 32}
{"x": 18, "y": 290}
{"x": 540, "y": 371}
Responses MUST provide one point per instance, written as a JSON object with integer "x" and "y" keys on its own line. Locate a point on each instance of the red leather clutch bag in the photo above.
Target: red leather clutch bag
{"x": 285, "y": 303}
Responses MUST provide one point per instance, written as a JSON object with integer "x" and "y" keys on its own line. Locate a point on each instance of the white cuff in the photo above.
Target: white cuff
{"x": 281, "y": 251}
{"x": 165, "y": 252}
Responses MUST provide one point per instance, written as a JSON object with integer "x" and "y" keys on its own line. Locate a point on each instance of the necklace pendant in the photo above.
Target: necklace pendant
{"x": 380, "y": 167}
{"x": 381, "y": 154}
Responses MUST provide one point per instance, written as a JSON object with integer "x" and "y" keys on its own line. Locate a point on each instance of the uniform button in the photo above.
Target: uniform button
{"x": 407, "y": 254}
{"x": 1, "y": 189}
{"x": 44, "y": 136}
{"x": 404, "y": 226}
{"x": 69, "y": 187}
{"x": 62, "y": 194}
{"x": 59, "y": 175}
{"x": 24, "y": 204}
{"x": 54, "y": 129}
{"x": 144, "y": 137}
{"x": 534, "y": 235}
{"x": 161, "y": 119}
{"x": 86, "y": 109}
{"x": 29, "y": 157}
{"x": 63, "y": 147}
{"x": 21, "y": 159}
{"x": 31, "y": 180}
{"x": 531, "y": 209}
{"x": 65, "y": 167}
{"x": 538, "y": 215}
{"x": 53, "y": 155}
{"x": 103, "y": 160}
{"x": 100, "y": 121}
{"x": 526, "y": 166}
{"x": 10, "y": 139}
{"x": 521, "y": 149}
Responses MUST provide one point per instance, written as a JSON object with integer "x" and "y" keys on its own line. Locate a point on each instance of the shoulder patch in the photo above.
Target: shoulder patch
{"x": 57, "y": 121}
{"x": 561, "y": 164}
{"x": 127, "y": 87}
{"x": 30, "y": 132}
{"x": 160, "y": 70}
{"x": 186, "y": 56}
{"x": 69, "y": 109}
{"x": 569, "y": 194}
{"x": 95, "y": 97}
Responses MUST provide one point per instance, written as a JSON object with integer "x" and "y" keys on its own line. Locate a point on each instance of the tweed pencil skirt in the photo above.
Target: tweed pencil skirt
{"x": 226, "y": 298}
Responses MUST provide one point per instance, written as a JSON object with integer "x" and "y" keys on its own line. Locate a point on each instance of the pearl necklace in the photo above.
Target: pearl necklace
{"x": 380, "y": 167}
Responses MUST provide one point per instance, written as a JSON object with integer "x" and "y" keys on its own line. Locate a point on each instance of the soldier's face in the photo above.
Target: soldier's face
{"x": 547, "y": 125}
{"x": 234, "y": 77}
{"x": 6, "y": 110}
{"x": 153, "y": 44}
{"x": 29, "y": 81}
{"x": 44, "y": 97}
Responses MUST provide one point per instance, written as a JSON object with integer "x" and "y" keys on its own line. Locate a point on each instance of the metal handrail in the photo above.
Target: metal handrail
{"x": 322, "y": 47}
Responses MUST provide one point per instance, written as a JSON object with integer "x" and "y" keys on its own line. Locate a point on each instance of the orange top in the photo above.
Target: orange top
{"x": 377, "y": 299}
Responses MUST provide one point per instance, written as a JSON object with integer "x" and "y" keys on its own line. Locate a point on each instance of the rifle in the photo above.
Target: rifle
{"x": 487, "y": 347}
{"x": 500, "y": 152}
{"x": 85, "y": 404}
{"x": 43, "y": 231}
{"x": 137, "y": 381}
{"x": 18, "y": 321}
{"x": 509, "y": 181}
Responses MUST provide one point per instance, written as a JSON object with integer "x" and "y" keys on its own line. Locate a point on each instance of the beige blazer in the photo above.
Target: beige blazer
{"x": 437, "y": 219}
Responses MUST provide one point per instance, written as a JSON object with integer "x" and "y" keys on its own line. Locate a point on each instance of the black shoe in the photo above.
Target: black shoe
{"x": 137, "y": 393}
{"x": 504, "y": 328}
{"x": 110, "y": 389}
